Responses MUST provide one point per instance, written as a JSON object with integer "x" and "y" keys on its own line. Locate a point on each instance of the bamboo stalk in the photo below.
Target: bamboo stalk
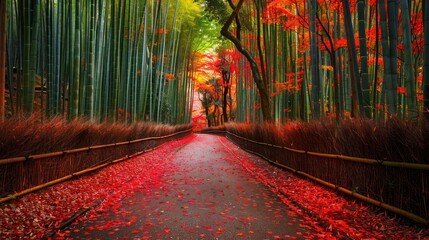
{"x": 12, "y": 160}
{"x": 47, "y": 155}
{"x": 2, "y": 59}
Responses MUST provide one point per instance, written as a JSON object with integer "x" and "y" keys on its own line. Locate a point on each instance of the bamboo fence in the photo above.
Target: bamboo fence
{"x": 22, "y": 175}
{"x": 401, "y": 187}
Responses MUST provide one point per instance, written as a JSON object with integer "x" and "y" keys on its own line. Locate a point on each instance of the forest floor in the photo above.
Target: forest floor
{"x": 199, "y": 187}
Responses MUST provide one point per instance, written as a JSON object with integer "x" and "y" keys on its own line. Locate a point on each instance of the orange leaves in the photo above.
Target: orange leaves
{"x": 327, "y": 67}
{"x": 161, "y": 31}
{"x": 169, "y": 76}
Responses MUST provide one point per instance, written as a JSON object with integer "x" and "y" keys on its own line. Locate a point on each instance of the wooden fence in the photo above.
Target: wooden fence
{"x": 400, "y": 187}
{"x": 19, "y": 173}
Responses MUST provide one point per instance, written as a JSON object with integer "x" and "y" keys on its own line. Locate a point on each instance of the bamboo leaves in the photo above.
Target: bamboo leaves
{"x": 105, "y": 60}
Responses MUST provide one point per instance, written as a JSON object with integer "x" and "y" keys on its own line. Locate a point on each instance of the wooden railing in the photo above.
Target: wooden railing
{"x": 19, "y": 175}
{"x": 399, "y": 187}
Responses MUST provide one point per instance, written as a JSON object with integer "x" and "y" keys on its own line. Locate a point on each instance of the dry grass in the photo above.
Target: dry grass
{"x": 23, "y": 137}
{"x": 393, "y": 140}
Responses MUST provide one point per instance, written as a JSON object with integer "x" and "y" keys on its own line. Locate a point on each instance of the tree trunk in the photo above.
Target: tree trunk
{"x": 2, "y": 58}
{"x": 262, "y": 89}
{"x": 225, "y": 76}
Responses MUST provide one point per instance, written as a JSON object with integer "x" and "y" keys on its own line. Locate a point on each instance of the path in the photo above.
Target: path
{"x": 203, "y": 194}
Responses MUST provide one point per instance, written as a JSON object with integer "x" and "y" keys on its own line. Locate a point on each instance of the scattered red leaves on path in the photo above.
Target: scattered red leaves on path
{"x": 36, "y": 214}
{"x": 329, "y": 214}
{"x": 332, "y": 215}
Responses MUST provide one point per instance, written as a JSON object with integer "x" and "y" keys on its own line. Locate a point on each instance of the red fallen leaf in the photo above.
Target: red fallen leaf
{"x": 184, "y": 226}
{"x": 135, "y": 231}
{"x": 167, "y": 231}
{"x": 111, "y": 232}
{"x": 241, "y": 234}
{"x": 191, "y": 230}
{"x": 269, "y": 232}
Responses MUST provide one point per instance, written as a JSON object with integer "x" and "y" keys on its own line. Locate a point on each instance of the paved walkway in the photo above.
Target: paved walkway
{"x": 204, "y": 194}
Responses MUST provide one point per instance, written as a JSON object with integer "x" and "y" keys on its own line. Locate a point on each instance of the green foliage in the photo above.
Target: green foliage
{"x": 217, "y": 10}
{"x": 102, "y": 58}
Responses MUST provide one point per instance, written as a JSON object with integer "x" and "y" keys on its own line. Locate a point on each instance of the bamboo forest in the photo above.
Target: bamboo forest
{"x": 144, "y": 60}
{"x": 214, "y": 119}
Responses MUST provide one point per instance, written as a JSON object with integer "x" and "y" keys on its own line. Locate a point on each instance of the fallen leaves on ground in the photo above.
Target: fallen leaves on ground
{"x": 329, "y": 213}
{"x": 325, "y": 214}
{"x": 34, "y": 215}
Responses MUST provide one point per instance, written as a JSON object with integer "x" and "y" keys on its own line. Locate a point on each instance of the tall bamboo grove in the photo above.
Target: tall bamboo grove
{"x": 106, "y": 60}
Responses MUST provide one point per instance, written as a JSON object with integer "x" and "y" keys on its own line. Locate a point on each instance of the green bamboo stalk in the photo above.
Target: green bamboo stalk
{"x": 408, "y": 54}
{"x": 352, "y": 53}
{"x": 160, "y": 67}
{"x": 74, "y": 87}
{"x": 89, "y": 85}
{"x": 364, "y": 60}
{"x": 146, "y": 59}
{"x": 2, "y": 59}
{"x": 387, "y": 88}
{"x": 426, "y": 62}
{"x": 30, "y": 53}
{"x": 314, "y": 65}
{"x": 392, "y": 9}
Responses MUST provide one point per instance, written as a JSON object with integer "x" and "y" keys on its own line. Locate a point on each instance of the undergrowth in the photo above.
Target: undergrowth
{"x": 393, "y": 140}
{"x": 28, "y": 136}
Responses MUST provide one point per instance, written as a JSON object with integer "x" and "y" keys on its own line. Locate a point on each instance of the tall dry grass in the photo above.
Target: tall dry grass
{"x": 393, "y": 140}
{"x": 23, "y": 137}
